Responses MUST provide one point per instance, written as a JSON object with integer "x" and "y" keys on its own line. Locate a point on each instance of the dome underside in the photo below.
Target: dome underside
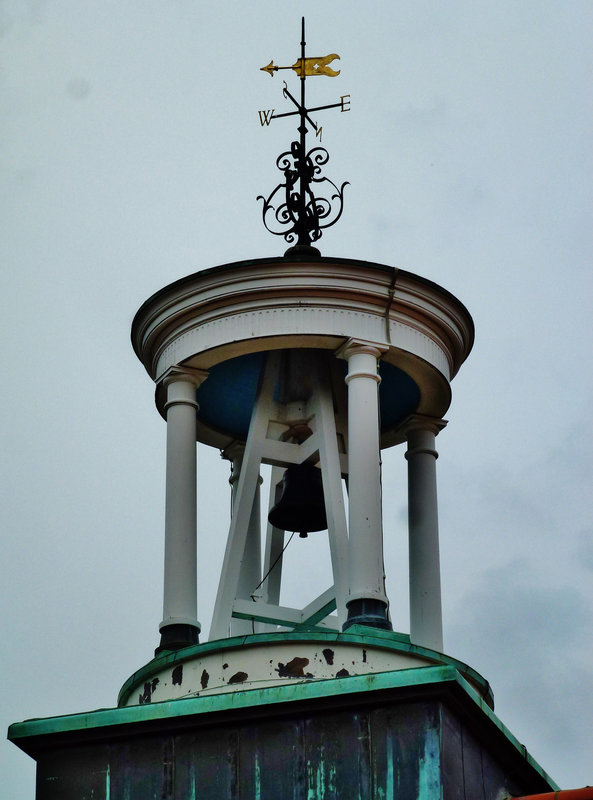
{"x": 227, "y": 397}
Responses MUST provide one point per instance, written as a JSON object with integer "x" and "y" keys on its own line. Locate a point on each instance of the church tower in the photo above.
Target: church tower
{"x": 305, "y": 367}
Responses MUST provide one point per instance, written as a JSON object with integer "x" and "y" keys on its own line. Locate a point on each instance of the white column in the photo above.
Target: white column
{"x": 180, "y": 624}
{"x": 426, "y": 624}
{"x": 250, "y": 572}
{"x": 367, "y": 601}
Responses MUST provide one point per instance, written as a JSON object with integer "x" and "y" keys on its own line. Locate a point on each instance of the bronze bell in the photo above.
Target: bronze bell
{"x": 301, "y": 506}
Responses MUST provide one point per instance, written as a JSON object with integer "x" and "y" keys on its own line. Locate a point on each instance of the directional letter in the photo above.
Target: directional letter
{"x": 318, "y": 132}
{"x": 345, "y": 102}
{"x": 265, "y": 117}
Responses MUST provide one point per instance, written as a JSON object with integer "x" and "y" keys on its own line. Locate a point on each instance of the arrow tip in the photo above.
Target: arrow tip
{"x": 270, "y": 69}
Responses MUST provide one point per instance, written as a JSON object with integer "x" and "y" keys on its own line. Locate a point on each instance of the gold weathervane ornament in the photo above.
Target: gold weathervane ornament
{"x": 313, "y": 66}
{"x": 306, "y": 202}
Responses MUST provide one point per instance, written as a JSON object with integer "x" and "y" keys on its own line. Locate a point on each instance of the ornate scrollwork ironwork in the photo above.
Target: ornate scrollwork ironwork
{"x": 307, "y": 202}
{"x": 305, "y": 212}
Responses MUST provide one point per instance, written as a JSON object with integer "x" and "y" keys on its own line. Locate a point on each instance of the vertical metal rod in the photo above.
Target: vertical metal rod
{"x": 304, "y": 237}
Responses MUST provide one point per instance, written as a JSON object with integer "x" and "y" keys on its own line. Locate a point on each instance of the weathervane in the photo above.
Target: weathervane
{"x": 304, "y": 212}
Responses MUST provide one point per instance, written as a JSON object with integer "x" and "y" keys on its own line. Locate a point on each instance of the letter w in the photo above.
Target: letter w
{"x": 265, "y": 117}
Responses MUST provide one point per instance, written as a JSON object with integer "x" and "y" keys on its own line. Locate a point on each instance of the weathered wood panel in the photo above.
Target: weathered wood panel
{"x": 74, "y": 773}
{"x": 405, "y": 743}
{"x": 404, "y": 750}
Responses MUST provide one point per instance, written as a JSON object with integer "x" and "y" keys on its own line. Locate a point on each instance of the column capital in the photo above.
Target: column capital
{"x": 186, "y": 374}
{"x": 422, "y": 422}
{"x": 356, "y": 346}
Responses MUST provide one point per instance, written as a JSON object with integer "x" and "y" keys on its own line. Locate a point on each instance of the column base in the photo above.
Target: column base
{"x": 367, "y": 611}
{"x": 174, "y": 637}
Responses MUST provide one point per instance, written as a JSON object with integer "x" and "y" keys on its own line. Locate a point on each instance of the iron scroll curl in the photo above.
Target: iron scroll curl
{"x": 301, "y": 214}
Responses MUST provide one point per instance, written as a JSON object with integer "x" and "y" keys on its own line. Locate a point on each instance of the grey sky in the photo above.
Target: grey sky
{"x": 132, "y": 154}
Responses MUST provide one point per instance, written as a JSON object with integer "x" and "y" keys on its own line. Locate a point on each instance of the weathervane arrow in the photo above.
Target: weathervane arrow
{"x": 313, "y": 66}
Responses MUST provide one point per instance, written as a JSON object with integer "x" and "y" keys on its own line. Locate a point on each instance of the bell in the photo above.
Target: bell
{"x": 301, "y": 506}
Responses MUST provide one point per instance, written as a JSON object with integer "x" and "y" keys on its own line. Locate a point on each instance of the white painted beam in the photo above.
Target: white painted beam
{"x": 246, "y": 488}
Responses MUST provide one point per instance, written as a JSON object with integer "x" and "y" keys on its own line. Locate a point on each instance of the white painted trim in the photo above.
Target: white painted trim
{"x": 263, "y": 305}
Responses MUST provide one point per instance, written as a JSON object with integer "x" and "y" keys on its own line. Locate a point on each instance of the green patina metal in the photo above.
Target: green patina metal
{"x": 444, "y": 683}
{"x": 389, "y": 783}
{"x": 357, "y": 634}
{"x": 285, "y": 693}
{"x": 429, "y": 783}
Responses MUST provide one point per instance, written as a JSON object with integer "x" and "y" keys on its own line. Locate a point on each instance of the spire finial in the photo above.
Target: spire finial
{"x": 306, "y": 209}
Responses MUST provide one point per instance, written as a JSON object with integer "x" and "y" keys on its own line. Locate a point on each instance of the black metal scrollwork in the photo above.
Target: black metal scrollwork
{"x": 307, "y": 202}
{"x": 307, "y": 209}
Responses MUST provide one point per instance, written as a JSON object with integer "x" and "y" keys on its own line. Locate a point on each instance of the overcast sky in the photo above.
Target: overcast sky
{"x": 132, "y": 155}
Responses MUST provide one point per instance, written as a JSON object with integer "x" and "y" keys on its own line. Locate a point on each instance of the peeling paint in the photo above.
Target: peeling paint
{"x": 147, "y": 692}
{"x": 342, "y": 673}
{"x": 294, "y": 668}
{"x": 316, "y": 780}
{"x": 238, "y": 677}
{"x": 321, "y": 779}
{"x": 332, "y": 781}
{"x": 177, "y": 675}
{"x": 208, "y": 672}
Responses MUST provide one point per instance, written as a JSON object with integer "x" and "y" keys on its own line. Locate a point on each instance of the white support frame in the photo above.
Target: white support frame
{"x": 264, "y": 446}
{"x": 274, "y": 546}
{"x": 250, "y": 572}
{"x": 313, "y": 615}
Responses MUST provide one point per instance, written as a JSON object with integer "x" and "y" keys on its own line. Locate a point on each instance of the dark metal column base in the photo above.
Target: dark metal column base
{"x": 302, "y": 251}
{"x": 367, "y": 612}
{"x": 174, "y": 637}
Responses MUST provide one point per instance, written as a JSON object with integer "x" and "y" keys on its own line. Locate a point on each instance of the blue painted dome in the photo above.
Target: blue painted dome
{"x": 226, "y": 399}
